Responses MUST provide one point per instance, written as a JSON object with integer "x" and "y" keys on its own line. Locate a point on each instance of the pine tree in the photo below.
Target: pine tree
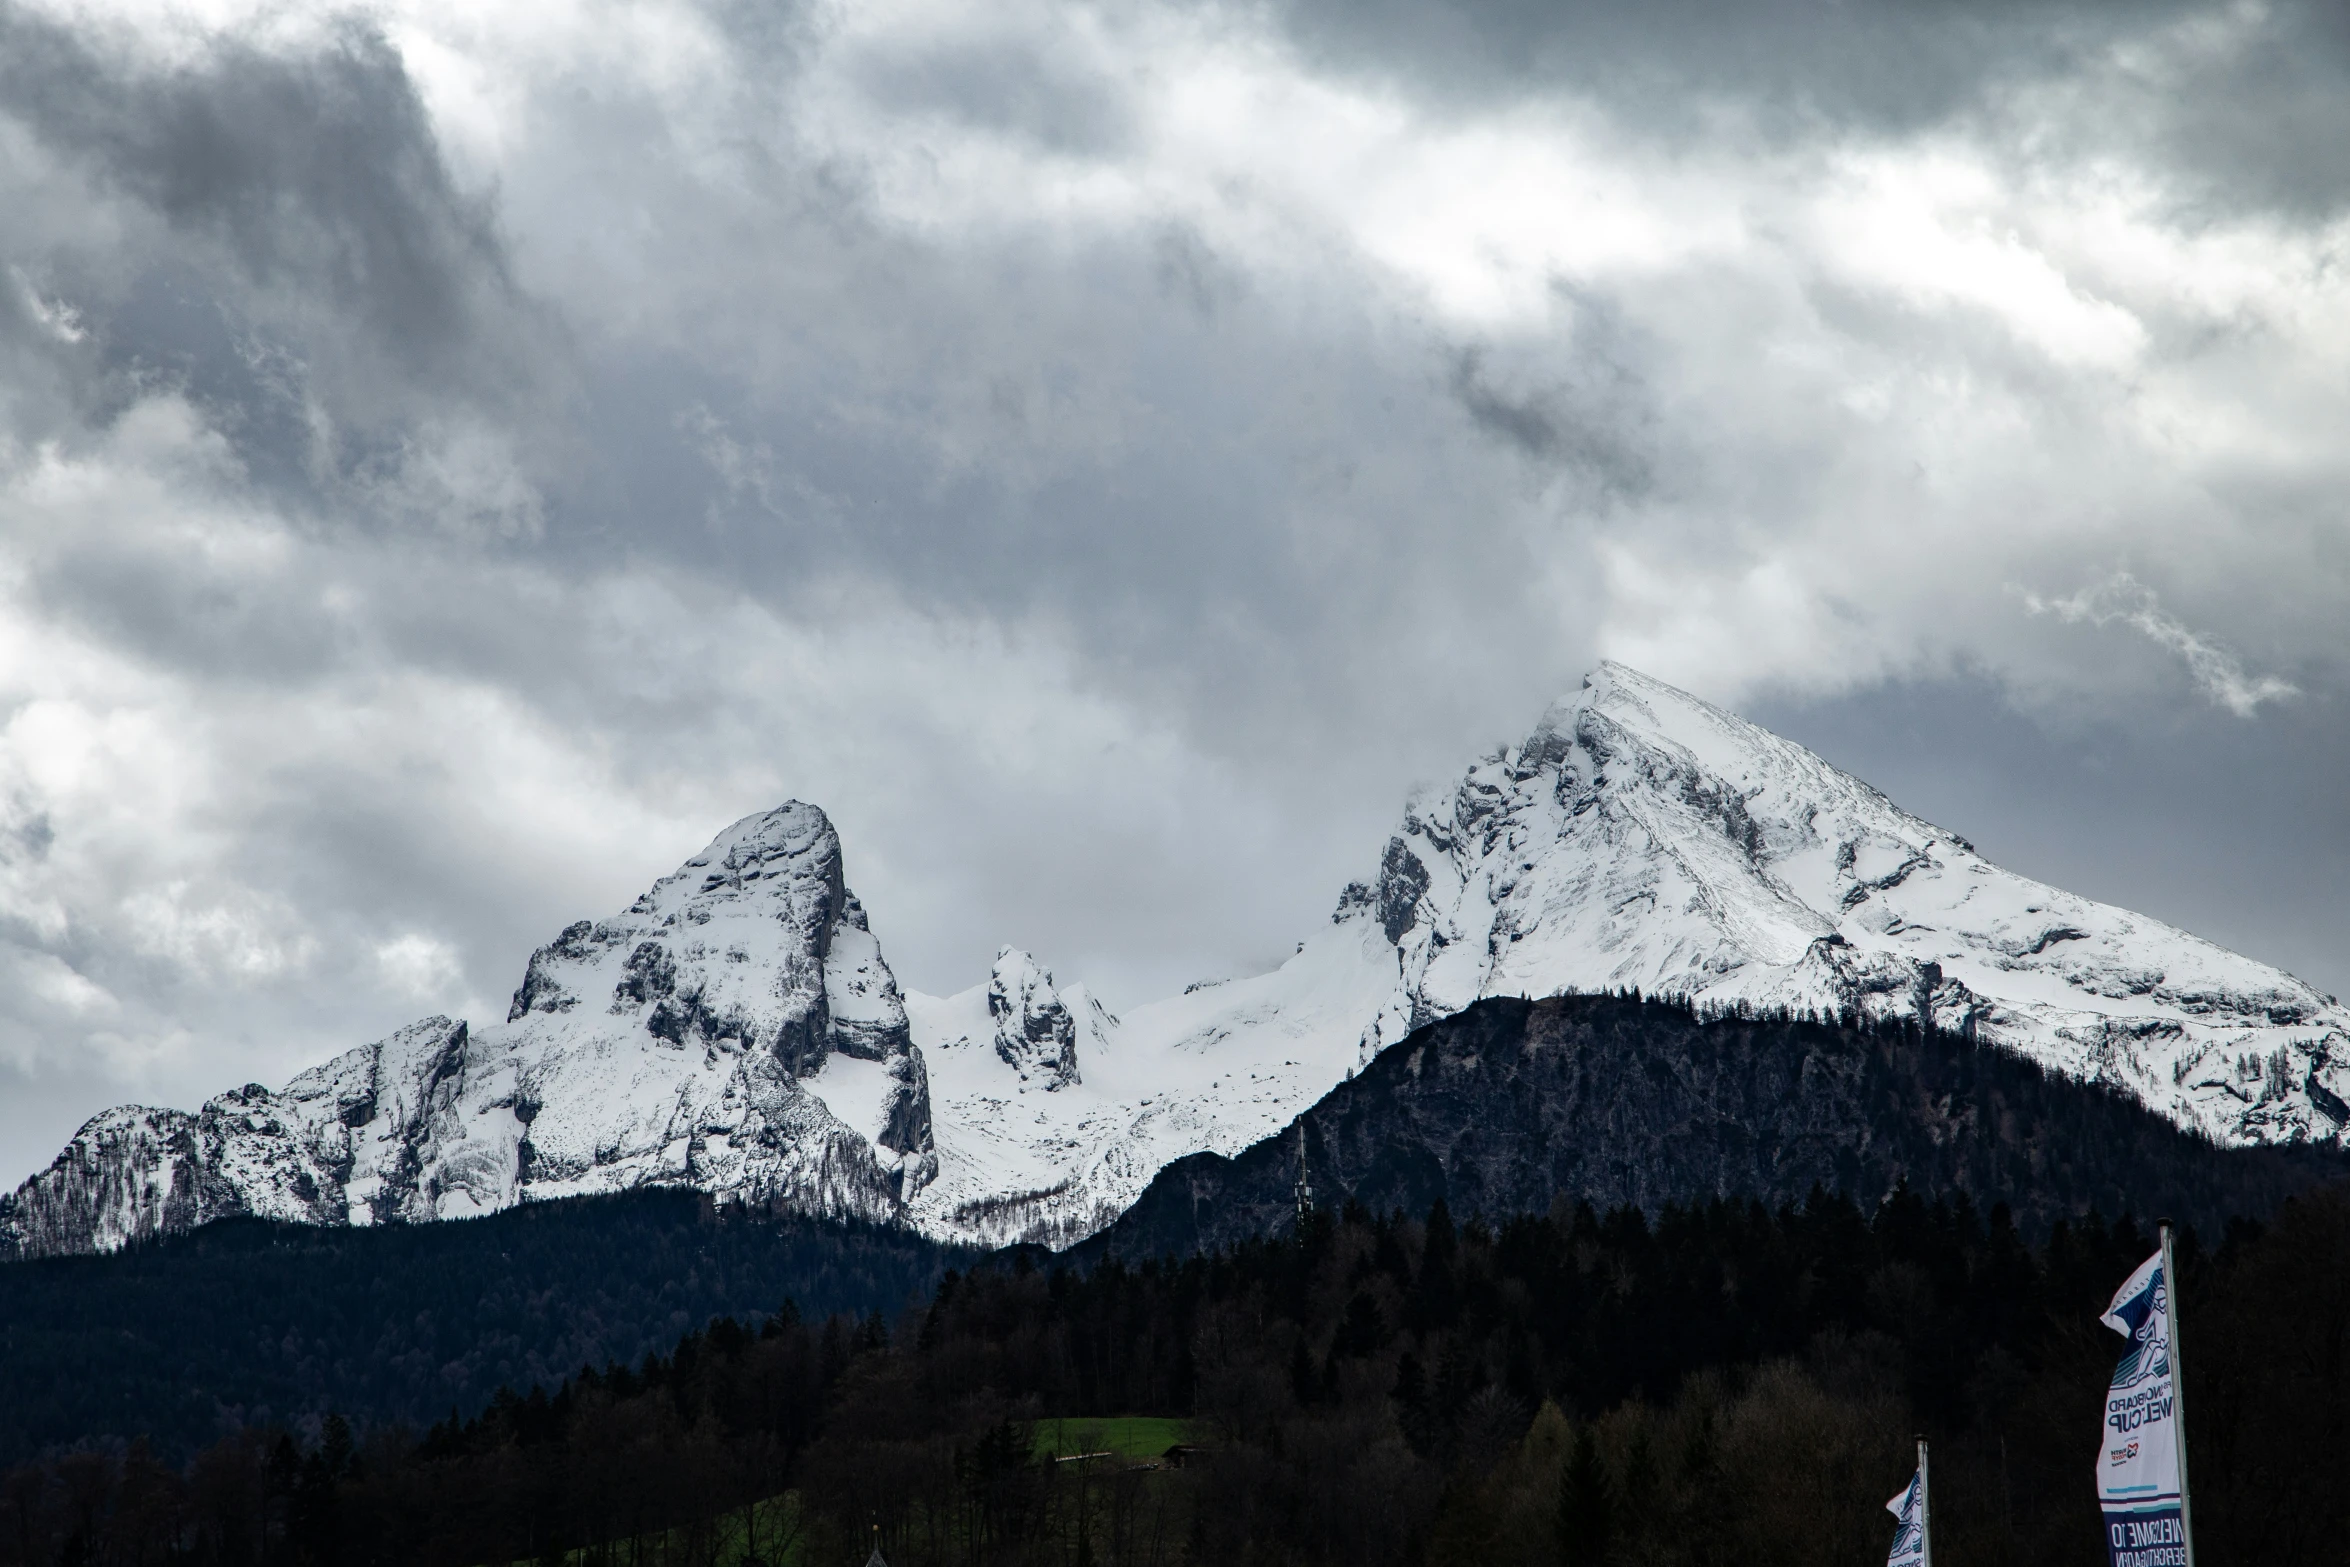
{"x": 1586, "y": 1513}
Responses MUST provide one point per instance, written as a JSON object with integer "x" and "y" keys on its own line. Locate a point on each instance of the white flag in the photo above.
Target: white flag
{"x": 1909, "y": 1541}
{"x": 2138, "y": 1461}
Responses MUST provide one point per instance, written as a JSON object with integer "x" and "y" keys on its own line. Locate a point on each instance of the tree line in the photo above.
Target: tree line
{"x": 1715, "y": 1384}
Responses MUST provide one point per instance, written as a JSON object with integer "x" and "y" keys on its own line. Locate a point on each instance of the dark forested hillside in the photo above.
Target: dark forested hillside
{"x": 245, "y": 1320}
{"x": 1498, "y": 1111}
{"x": 1618, "y": 1101}
{"x": 1725, "y": 1386}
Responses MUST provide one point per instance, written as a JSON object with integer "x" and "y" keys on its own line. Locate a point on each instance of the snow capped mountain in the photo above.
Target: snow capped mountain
{"x": 1641, "y": 837}
{"x": 737, "y": 1030}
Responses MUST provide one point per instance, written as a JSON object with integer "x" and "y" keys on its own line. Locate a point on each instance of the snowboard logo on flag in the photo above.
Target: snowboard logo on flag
{"x": 2145, "y": 1317}
{"x": 2138, "y": 1460}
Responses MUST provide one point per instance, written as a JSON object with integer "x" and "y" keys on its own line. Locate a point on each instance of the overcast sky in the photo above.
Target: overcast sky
{"x": 456, "y": 458}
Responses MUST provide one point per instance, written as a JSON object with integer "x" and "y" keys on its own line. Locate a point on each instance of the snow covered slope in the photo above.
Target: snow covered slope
{"x": 1051, "y": 1159}
{"x": 737, "y": 1030}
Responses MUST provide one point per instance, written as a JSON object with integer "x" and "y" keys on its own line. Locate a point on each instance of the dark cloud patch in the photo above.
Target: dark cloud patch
{"x": 2250, "y": 104}
{"x": 1190, "y": 271}
{"x": 317, "y": 173}
{"x": 1881, "y": 64}
{"x": 175, "y": 327}
{"x": 1140, "y": 450}
{"x": 1009, "y": 86}
{"x": 1585, "y": 424}
{"x": 41, "y": 384}
{"x": 2261, "y": 119}
{"x": 34, "y": 837}
{"x": 302, "y": 261}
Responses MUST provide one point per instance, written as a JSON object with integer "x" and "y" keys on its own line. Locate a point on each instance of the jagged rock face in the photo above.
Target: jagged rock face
{"x": 755, "y": 944}
{"x": 342, "y": 1143}
{"x": 1029, "y": 1085}
{"x": 1034, "y": 1033}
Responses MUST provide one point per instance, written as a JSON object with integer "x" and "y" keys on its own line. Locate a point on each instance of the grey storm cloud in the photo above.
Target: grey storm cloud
{"x": 1006, "y": 87}
{"x": 1876, "y": 62}
{"x": 317, "y": 174}
{"x": 274, "y": 231}
{"x": 1588, "y": 421}
{"x": 2255, "y": 108}
{"x": 453, "y": 461}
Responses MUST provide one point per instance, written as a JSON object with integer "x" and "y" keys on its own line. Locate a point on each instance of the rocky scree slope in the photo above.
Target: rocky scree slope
{"x": 738, "y": 1030}
{"x": 1505, "y": 1107}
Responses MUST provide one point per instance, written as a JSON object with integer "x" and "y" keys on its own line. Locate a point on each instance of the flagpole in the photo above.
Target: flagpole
{"x": 1926, "y": 1511}
{"x": 2178, "y": 1382}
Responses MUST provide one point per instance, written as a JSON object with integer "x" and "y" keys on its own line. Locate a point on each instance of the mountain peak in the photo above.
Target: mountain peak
{"x": 791, "y": 852}
{"x": 1619, "y": 687}
{"x": 1035, "y": 1034}
{"x": 1642, "y": 837}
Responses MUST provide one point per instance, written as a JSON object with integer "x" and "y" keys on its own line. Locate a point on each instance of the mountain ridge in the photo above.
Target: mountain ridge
{"x": 737, "y": 1029}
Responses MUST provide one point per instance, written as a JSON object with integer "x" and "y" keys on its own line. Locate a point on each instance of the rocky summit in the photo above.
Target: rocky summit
{"x": 737, "y": 1029}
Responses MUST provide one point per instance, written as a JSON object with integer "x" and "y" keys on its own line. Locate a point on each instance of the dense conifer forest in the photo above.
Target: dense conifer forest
{"x": 245, "y": 1322}
{"x": 1723, "y": 1384}
{"x": 1638, "y": 1101}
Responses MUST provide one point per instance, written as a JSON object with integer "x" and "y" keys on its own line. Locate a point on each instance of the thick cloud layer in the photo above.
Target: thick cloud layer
{"x": 452, "y": 460}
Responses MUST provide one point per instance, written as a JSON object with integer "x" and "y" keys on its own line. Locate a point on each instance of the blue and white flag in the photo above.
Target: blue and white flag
{"x": 2138, "y": 1462}
{"x": 1909, "y": 1541}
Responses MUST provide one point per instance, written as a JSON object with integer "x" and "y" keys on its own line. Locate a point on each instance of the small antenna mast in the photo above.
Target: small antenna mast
{"x": 1305, "y": 1193}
